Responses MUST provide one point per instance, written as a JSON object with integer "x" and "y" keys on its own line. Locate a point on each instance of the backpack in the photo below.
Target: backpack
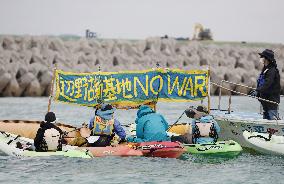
{"x": 52, "y": 140}
{"x": 204, "y": 130}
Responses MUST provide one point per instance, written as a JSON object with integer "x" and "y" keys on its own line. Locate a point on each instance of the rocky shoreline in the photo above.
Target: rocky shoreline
{"x": 26, "y": 62}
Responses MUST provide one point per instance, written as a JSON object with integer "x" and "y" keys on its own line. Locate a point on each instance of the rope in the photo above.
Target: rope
{"x": 243, "y": 85}
{"x": 243, "y": 93}
{"x": 237, "y": 84}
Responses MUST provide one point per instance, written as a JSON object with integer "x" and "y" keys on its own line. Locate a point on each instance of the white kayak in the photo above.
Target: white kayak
{"x": 265, "y": 143}
{"x": 15, "y": 145}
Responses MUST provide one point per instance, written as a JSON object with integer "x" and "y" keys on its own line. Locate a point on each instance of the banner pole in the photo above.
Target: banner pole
{"x": 51, "y": 88}
{"x": 101, "y": 87}
{"x": 208, "y": 85}
{"x": 155, "y": 106}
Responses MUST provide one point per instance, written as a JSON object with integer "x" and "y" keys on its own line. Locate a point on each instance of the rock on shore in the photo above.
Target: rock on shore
{"x": 26, "y": 62}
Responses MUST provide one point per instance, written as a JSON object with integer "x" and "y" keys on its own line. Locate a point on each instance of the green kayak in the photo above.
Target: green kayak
{"x": 221, "y": 148}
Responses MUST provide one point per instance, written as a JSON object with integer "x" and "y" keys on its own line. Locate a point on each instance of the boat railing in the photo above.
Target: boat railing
{"x": 236, "y": 92}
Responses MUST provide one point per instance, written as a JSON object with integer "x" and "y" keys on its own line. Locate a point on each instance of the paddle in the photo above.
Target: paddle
{"x": 176, "y": 120}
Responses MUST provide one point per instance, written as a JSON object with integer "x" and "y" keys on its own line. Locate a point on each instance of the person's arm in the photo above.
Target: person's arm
{"x": 38, "y": 138}
{"x": 165, "y": 122}
{"x": 193, "y": 124}
{"x": 216, "y": 125}
{"x": 140, "y": 129}
{"x": 119, "y": 130}
{"x": 57, "y": 128}
{"x": 91, "y": 124}
{"x": 269, "y": 79}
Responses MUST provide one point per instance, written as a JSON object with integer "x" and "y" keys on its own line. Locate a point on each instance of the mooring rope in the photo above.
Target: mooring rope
{"x": 238, "y": 84}
{"x": 242, "y": 93}
{"x": 242, "y": 85}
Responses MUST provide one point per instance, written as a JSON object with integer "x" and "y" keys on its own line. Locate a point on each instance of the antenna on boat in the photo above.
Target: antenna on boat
{"x": 51, "y": 88}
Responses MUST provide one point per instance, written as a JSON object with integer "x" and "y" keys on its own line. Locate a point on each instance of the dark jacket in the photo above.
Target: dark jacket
{"x": 270, "y": 89}
{"x": 39, "y": 141}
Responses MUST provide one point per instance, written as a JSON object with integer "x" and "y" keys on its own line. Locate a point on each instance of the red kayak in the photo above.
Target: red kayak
{"x": 164, "y": 149}
{"x": 120, "y": 150}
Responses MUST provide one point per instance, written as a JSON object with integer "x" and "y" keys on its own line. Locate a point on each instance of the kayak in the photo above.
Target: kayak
{"x": 263, "y": 143}
{"x": 14, "y": 145}
{"x": 29, "y": 129}
{"x": 120, "y": 150}
{"x": 220, "y": 148}
{"x": 164, "y": 149}
{"x": 180, "y": 129}
{"x": 70, "y": 151}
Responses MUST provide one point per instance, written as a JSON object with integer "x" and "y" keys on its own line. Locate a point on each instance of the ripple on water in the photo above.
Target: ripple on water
{"x": 247, "y": 168}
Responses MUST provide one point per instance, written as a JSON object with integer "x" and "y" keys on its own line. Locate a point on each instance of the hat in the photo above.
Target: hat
{"x": 50, "y": 117}
{"x": 267, "y": 54}
{"x": 202, "y": 108}
{"x": 105, "y": 111}
{"x": 196, "y": 113}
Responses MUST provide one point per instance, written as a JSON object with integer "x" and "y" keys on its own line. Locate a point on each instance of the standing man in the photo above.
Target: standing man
{"x": 268, "y": 85}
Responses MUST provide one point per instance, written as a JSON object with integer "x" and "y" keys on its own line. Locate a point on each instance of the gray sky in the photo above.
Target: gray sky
{"x": 229, "y": 20}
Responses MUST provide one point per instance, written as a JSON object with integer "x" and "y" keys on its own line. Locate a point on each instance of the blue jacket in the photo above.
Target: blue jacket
{"x": 205, "y": 119}
{"x": 150, "y": 126}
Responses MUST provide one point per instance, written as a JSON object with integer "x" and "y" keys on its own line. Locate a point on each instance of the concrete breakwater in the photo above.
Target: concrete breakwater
{"x": 26, "y": 62}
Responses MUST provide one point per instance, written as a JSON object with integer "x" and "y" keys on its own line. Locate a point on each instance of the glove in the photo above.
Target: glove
{"x": 253, "y": 93}
{"x": 121, "y": 141}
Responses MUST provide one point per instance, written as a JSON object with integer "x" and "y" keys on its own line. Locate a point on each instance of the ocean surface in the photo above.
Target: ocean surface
{"x": 247, "y": 168}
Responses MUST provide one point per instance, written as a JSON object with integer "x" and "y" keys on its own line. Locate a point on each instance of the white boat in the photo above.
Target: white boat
{"x": 265, "y": 143}
{"x": 234, "y": 124}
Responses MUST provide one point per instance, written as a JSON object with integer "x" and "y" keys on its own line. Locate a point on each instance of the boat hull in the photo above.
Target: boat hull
{"x": 164, "y": 149}
{"x": 120, "y": 150}
{"x": 261, "y": 143}
{"x": 233, "y": 126}
{"x": 220, "y": 148}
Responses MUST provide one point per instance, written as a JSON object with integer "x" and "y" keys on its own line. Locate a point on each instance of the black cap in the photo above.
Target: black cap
{"x": 202, "y": 108}
{"x": 50, "y": 117}
{"x": 267, "y": 54}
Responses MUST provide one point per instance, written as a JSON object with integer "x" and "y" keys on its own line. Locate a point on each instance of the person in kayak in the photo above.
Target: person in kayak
{"x": 104, "y": 126}
{"x": 268, "y": 85}
{"x": 204, "y": 128}
{"x": 49, "y": 137}
{"x": 150, "y": 126}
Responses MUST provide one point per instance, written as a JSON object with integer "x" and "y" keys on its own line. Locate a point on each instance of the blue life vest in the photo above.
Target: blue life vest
{"x": 260, "y": 80}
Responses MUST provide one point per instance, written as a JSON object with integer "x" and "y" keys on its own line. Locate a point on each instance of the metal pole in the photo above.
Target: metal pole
{"x": 208, "y": 85}
{"x": 220, "y": 95}
{"x": 51, "y": 88}
{"x": 230, "y": 102}
{"x": 155, "y": 103}
{"x": 101, "y": 87}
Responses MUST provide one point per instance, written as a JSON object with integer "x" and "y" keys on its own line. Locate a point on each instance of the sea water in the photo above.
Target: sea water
{"x": 246, "y": 168}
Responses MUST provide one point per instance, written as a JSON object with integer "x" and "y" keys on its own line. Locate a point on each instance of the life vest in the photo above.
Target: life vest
{"x": 204, "y": 130}
{"x": 102, "y": 127}
{"x": 260, "y": 80}
{"x": 52, "y": 140}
